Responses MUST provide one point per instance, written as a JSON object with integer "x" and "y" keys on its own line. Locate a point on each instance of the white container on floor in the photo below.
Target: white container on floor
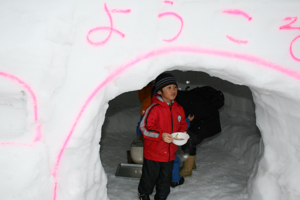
{"x": 136, "y": 151}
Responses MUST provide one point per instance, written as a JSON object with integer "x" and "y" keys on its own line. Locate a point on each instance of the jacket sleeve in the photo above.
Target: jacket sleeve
{"x": 148, "y": 125}
{"x": 188, "y": 121}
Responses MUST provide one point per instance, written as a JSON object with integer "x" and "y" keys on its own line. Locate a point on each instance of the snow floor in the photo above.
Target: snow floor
{"x": 220, "y": 174}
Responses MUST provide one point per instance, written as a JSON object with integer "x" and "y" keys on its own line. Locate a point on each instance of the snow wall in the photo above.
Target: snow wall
{"x": 61, "y": 62}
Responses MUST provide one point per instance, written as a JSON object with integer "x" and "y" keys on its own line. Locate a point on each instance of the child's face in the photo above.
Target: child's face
{"x": 168, "y": 93}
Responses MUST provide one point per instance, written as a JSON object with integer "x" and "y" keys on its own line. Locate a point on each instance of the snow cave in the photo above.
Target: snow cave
{"x": 69, "y": 72}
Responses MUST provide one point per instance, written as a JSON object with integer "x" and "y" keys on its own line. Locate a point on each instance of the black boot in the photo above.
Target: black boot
{"x": 180, "y": 182}
{"x": 144, "y": 197}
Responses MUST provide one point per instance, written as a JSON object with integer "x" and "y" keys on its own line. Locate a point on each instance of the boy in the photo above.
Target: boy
{"x": 163, "y": 117}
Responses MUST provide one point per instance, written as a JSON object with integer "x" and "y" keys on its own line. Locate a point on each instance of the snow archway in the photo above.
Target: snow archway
{"x": 266, "y": 111}
{"x": 77, "y": 55}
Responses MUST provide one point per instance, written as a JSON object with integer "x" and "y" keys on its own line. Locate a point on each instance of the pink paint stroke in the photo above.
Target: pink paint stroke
{"x": 110, "y": 29}
{"x": 287, "y": 26}
{"x": 164, "y": 51}
{"x": 236, "y": 40}
{"x": 178, "y": 17}
{"x": 15, "y": 144}
{"x": 170, "y": 2}
{"x": 291, "y": 50}
{"x": 38, "y": 134}
{"x": 55, "y": 190}
{"x": 237, "y": 12}
{"x": 120, "y": 11}
{"x": 27, "y": 87}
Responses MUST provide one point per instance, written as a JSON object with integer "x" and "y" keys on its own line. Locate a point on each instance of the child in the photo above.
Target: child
{"x": 177, "y": 179}
{"x": 163, "y": 117}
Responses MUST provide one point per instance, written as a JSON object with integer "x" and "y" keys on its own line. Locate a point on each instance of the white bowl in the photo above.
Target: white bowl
{"x": 182, "y": 135}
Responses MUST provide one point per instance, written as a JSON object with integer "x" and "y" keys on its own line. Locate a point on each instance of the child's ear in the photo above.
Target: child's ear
{"x": 159, "y": 92}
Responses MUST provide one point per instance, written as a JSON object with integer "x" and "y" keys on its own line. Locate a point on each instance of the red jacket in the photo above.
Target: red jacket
{"x": 159, "y": 118}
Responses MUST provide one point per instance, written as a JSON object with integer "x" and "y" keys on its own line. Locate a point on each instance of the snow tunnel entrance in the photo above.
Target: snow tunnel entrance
{"x": 224, "y": 161}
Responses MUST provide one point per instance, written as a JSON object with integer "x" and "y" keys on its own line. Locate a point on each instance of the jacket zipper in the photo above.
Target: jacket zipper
{"x": 171, "y": 133}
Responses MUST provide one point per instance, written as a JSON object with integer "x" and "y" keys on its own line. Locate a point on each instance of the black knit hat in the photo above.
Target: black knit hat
{"x": 164, "y": 80}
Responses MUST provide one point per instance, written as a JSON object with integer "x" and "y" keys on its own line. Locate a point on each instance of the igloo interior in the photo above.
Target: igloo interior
{"x": 240, "y": 137}
{"x": 61, "y": 62}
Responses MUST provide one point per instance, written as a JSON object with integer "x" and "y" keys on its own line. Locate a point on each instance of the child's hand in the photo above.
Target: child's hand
{"x": 191, "y": 117}
{"x": 167, "y": 137}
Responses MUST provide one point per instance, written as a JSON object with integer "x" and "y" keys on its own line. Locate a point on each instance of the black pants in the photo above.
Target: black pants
{"x": 190, "y": 147}
{"x": 157, "y": 174}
